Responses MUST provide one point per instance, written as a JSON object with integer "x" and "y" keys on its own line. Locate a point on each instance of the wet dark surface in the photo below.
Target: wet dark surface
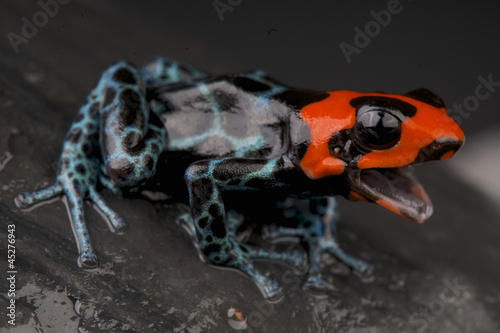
{"x": 441, "y": 276}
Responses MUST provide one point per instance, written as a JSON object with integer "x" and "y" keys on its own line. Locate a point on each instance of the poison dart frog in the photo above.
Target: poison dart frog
{"x": 243, "y": 132}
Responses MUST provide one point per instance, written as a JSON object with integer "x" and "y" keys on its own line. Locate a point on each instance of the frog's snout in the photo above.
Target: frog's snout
{"x": 439, "y": 149}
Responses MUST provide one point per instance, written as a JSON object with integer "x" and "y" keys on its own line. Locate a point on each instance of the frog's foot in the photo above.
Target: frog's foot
{"x": 27, "y": 200}
{"x": 328, "y": 243}
{"x": 296, "y": 259}
{"x": 71, "y": 191}
{"x": 115, "y": 222}
{"x": 241, "y": 260}
{"x": 317, "y": 245}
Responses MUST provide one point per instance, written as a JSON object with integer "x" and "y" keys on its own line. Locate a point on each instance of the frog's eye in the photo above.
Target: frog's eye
{"x": 376, "y": 128}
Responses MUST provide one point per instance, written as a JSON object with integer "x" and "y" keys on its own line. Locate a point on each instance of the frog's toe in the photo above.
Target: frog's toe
{"x": 353, "y": 262}
{"x": 272, "y": 291}
{"x": 240, "y": 259}
{"x": 298, "y": 259}
{"x": 187, "y": 222}
{"x": 116, "y": 223}
{"x": 364, "y": 269}
{"x": 314, "y": 284}
{"x": 270, "y": 232}
{"x": 87, "y": 259}
{"x": 27, "y": 199}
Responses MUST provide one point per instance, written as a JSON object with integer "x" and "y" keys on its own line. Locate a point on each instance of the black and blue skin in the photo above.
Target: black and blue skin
{"x": 235, "y": 132}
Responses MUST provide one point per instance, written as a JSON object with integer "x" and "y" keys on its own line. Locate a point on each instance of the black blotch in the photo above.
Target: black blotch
{"x": 212, "y": 248}
{"x": 155, "y": 120}
{"x": 218, "y": 229}
{"x": 437, "y": 148}
{"x": 76, "y": 184}
{"x": 154, "y": 148}
{"x": 74, "y": 135}
{"x": 313, "y": 206}
{"x": 201, "y": 192}
{"x": 406, "y": 109}
{"x": 109, "y": 95}
{"x": 209, "y": 239}
{"x": 124, "y": 75}
{"x": 307, "y": 224}
{"x": 323, "y": 202}
{"x": 87, "y": 149}
{"x": 80, "y": 168}
{"x": 214, "y": 210}
{"x": 225, "y": 101}
{"x": 299, "y": 99}
{"x": 207, "y": 188}
{"x": 130, "y": 98}
{"x": 222, "y": 176}
{"x": 203, "y": 222}
{"x": 94, "y": 110}
{"x": 249, "y": 84}
{"x": 426, "y": 96}
{"x": 147, "y": 161}
{"x": 256, "y": 183}
{"x": 233, "y": 182}
{"x": 131, "y": 139}
{"x": 135, "y": 149}
{"x": 121, "y": 174}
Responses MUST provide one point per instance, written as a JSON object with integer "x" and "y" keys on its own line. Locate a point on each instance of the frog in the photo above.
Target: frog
{"x": 217, "y": 134}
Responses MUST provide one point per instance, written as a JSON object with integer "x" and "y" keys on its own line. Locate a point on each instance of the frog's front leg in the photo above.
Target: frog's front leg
{"x": 206, "y": 180}
{"x": 116, "y": 119}
{"x": 316, "y": 226}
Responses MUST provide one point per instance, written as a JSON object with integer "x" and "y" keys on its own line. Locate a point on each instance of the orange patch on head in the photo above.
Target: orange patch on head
{"x": 335, "y": 113}
{"x": 324, "y": 118}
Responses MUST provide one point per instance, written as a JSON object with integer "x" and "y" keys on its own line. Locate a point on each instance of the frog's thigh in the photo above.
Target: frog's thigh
{"x": 132, "y": 137}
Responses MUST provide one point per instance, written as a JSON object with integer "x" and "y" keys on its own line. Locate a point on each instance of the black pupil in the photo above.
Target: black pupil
{"x": 377, "y": 129}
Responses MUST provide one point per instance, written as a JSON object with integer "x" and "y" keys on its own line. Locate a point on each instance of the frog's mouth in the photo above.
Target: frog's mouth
{"x": 396, "y": 189}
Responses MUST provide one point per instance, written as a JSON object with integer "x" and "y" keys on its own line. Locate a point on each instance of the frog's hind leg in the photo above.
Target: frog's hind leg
{"x": 116, "y": 119}
{"x": 317, "y": 229}
{"x": 206, "y": 180}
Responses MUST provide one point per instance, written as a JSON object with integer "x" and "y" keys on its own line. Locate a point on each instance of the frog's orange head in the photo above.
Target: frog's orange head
{"x": 373, "y": 138}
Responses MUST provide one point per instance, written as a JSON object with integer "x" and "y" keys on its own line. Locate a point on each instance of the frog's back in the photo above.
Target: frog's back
{"x": 239, "y": 115}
